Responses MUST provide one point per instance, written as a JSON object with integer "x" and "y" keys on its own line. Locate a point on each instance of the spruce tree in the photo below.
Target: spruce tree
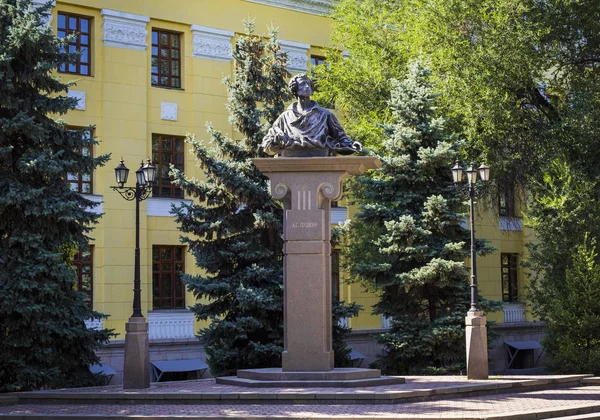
{"x": 43, "y": 338}
{"x": 235, "y": 229}
{"x": 407, "y": 241}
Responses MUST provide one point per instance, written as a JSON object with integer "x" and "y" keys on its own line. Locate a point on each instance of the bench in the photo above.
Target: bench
{"x": 105, "y": 370}
{"x": 355, "y": 355}
{"x": 160, "y": 367}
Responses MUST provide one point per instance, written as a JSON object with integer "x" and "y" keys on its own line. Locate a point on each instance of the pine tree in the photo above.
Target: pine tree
{"x": 43, "y": 338}
{"x": 236, "y": 228}
{"x": 407, "y": 240}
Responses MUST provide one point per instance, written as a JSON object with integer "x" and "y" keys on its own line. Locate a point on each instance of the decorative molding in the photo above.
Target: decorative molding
{"x": 162, "y": 206}
{"x": 211, "y": 43}
{"x": 297, "y": 55}
{"x": 124, "y": 30}
{"x": 97, "y": 209}
{"x": 338, "y": 215}
{"x": 170, "y": 324}
{"x": 168, "y": 111}
{"x": 38, "y": 3}
{"x": 314, "y": 7}
{"x": 93, "y": 324}
{"x": 511, "y": 223}
{"x": 80, "y": 96}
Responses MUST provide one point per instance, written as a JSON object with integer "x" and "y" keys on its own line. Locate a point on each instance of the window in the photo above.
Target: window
{"x": 509, "y": 277}
{"x": 166, "y": 59}
{"x": 168, "y": 265}
{"x": 506, "y": 200}
{"x": 83, "y": 262}
{"x": 167, "y": 150}
{"x": 82, "y": 182}
{"x": 81, "y": 27}
{"x": 335, "y": 273}
{"x": 316, "y": 60}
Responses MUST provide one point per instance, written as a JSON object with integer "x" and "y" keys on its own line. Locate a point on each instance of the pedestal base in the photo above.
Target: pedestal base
{"x": 136, "y": 370}
{"x": 477, "y": 351}
{"x": 340, "y": 377}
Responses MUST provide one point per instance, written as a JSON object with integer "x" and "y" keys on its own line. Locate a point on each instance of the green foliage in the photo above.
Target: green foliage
{"x": 573, "y": 321}
{"x": 508, "y": 71}
{"x": 43, "y": 338}
{"x": 340, "y": 350}
{"x": 518, "y": 79}
{"x": 407, "y": 240}
{"x": 564, "y": 268}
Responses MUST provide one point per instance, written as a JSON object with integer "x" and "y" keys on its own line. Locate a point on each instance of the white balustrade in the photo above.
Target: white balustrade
{"x": 344, "y": 322}
{"x": 170, "y": 324}
{"x": 386, "y": 322}
{"x": 514, "y": 313}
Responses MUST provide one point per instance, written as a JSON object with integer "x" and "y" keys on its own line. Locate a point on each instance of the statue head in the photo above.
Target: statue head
{"x": 298, "y": 80}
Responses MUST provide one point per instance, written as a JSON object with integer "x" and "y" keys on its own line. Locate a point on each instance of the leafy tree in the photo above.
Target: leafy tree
{"x": 504, "y": 70}
{"x": 43, "y": 338}
{"x": 235, "y": 231}
{"x": 573, "y": 320}
{"x": 407, "y": 240}
{"x": 564, "y": 268}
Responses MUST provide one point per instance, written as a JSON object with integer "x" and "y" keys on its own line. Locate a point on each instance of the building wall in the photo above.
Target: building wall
{"x": 126, "y": 110}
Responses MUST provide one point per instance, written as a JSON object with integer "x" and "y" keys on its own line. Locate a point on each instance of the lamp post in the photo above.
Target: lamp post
{"x": 135, "y": 372}
{"x": 476, "y": 332}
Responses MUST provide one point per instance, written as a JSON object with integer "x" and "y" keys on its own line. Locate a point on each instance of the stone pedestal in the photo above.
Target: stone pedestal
{"x": 136, "y": 370}
{"x": 477, "y": 351}
{"x": 306, "y": 186}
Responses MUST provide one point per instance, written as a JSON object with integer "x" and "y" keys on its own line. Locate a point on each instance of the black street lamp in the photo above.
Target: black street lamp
{"x": 136, "y": 374}
{"x": 484, "y": 174}
{"x": 476, "y": 332}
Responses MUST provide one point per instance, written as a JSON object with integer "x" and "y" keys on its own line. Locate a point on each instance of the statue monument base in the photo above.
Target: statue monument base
{"x": 306, "y": 186}
{"x": 335, "y": 378}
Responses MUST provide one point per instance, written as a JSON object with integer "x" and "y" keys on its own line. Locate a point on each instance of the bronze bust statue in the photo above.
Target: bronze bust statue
{"x": 306, "y": 129}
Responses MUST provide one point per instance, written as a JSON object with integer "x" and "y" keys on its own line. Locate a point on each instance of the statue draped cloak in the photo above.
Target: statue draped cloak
{"x": 315, "y": 129}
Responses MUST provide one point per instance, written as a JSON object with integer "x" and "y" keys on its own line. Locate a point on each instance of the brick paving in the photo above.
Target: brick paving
{"x": 536, "y": 404}
{"x": 547, "y": 403}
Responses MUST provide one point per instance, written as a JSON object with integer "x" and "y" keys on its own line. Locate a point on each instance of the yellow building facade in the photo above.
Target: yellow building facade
{"x": 152, "y": 72}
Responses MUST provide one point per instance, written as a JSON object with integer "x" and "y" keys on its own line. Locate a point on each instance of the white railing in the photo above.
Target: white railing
{"x": 94, "y": 324}
{"x": 386, "y": 322}
{"x": 344, "y": 322}
{"x": 170, "y": 324}
{"x": 514, "y": 313}
{"x": 338, "y": 215}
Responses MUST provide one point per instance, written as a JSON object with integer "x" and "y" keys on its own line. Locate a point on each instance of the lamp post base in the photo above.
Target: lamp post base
{"x": 477, "y": 351}
{"x": 136, "y": 373}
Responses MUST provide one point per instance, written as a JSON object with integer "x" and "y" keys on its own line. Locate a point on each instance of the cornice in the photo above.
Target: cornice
{"x": 314, "y": 7}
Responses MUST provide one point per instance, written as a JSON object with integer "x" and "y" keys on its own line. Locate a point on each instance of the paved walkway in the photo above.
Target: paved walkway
{"x": 540, "y": 404}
